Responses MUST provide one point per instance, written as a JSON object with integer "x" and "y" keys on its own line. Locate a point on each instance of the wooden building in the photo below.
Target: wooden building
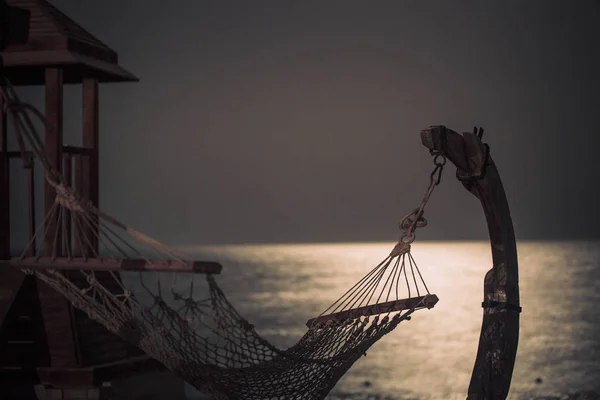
{"x": 44, "y": 341}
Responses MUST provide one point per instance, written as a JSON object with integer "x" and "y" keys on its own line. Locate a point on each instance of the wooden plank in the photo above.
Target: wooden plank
{"x": 61, "y": 337}
{"x": 90, "y": 140}
{"x": 65, "y": 150}
{"x": 4, "y": 186}
{"x": 53, "y": 149}
{"x": 79, "y": 246}
{"x": 10, "y": 283}
{"x": 56, "y": 310}
{"x": 32, "y": 220}
{"x": 113, "y": 264}
{"x": 67, "y": 222}
{"x": 446, "y": 141}
{"x": 427, "y": 301}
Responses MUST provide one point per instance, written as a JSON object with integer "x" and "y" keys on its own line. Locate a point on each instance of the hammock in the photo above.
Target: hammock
{"x": 188, "y": 324}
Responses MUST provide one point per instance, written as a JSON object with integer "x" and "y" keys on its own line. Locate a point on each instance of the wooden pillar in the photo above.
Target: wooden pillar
{"x": 499, "y": 337}
{"x": 79, "y": 244}
{"x": 56, "y": 310}
{"x": 66, "y": 222}
{"x": 4, "y": 187}
{"x": 10, "y": 278}
{"x": 31, "y": 197}
{"x": 53, "y": 148}
{"x": 90, "y": 165}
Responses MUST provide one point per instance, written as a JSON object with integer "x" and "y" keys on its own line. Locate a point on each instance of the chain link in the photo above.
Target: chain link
{"x": 414, "y": 219}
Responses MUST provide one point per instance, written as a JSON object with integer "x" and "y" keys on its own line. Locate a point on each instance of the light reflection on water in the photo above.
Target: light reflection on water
{"x": 279, "y": 287}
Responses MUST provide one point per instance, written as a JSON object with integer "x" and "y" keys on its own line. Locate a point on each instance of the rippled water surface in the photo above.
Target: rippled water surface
{"x": 279, "y": 287}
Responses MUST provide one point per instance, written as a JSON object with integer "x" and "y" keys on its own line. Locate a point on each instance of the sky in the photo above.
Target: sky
{"x": 298, "y": 121}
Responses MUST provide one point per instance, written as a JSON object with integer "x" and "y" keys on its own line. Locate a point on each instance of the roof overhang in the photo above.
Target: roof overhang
{"x": 28, "y": 67}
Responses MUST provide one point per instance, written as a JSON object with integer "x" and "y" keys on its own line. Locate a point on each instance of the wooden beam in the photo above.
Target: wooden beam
{"x": 113, "y": 264}
{"x": 79, "y": 246}
{"x": 57, "y": 312}
{"x": 4, "y": 186}
{"x": 11, "y": 280}
{"x": 65, "y": 150}
{"x": 67, "y": 221}
{"x": 446, "y": 141}
{"x": 427, "y": 301}
{"x": 492, "y": 374}
{"x": 61, "y": 336}
{"x": 53, "y": 148}
{"x": 90, "y": 188}
{"x": 31, "y": 198}
{"x": 76, "y": 150}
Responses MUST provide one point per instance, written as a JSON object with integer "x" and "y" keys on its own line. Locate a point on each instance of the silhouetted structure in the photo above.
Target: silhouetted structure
{"x": 43, "y": 338}
{"x": 45, "y": 341}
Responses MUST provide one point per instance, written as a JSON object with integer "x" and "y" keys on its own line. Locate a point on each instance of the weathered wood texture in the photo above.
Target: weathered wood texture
{"x": 112, "y": 264}
{"x": 31, "y": 206}
{"x": 52, "y": 38}
{"x": 90, "y": 171}
{"x": 80, "y": 247}
{"x": 57, "y": 312}
{"x": 58, "y": 318}
{"x": 70, "y": 341}
{"x": 427, "y": 301}
{"x": 499, "y": 336}
{"x": 67, "y": 223}
{"x": 53, "y": 150}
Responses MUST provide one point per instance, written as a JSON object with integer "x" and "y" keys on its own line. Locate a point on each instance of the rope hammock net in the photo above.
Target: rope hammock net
{"x": 188, "y": 324}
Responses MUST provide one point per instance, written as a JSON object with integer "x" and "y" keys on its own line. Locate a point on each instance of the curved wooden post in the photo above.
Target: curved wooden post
{"x": 499, "y": 336}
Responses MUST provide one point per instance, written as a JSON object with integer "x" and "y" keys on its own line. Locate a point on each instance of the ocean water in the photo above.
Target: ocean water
{"x": 279, "y": 287}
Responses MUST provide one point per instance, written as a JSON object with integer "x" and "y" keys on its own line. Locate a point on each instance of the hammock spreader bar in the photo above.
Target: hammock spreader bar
{"x": 412, "y": 303}
{"x": 112, "y": 264}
